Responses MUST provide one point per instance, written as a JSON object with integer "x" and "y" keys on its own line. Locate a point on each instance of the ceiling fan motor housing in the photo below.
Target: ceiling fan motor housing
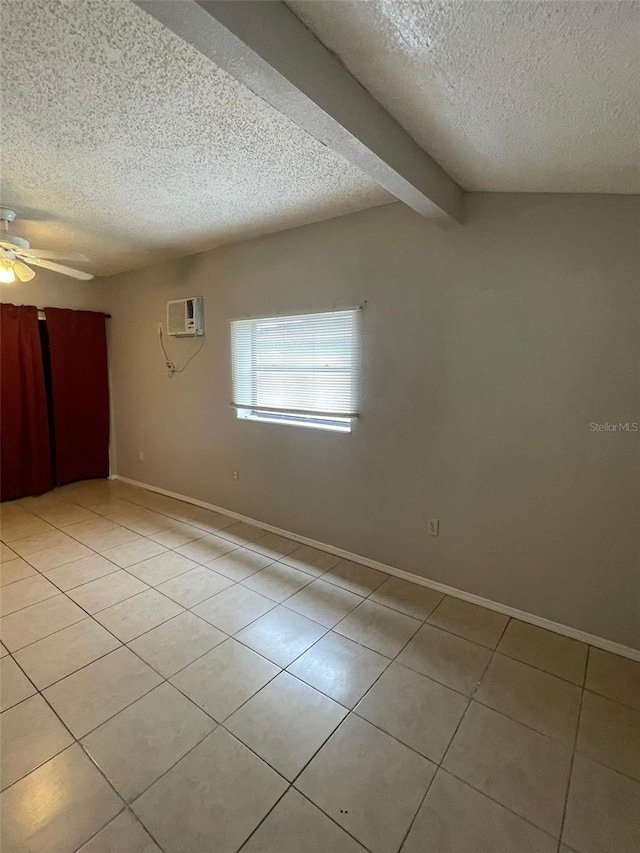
{"x": 6, "y": 216}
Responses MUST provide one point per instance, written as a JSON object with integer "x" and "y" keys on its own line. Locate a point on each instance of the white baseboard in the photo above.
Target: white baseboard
{"x": 531, "y": 618}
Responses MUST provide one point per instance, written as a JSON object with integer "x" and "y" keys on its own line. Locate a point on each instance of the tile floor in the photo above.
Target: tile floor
{"x": 173, "y": 680}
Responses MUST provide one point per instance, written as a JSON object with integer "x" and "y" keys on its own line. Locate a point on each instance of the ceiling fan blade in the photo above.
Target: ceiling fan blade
{"x": 49, "y": 265}
{"x": 48, "y": 255}
{"x": 23, "y": 272}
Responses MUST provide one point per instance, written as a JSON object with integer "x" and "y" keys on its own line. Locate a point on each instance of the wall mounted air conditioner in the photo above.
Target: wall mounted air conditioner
{"x": 185, "y": 317}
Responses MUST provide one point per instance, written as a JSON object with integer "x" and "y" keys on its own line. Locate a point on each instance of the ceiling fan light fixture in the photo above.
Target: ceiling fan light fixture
{"x": 7, "y": 274}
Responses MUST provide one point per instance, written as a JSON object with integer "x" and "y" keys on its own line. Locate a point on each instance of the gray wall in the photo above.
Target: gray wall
{"x": 57, "y": 291}
{"x": 488, "y": 351}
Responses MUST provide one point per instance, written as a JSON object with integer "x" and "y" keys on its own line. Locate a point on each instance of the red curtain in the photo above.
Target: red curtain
{"x": 25, "y": 452}
{"x": 79, "y": 381}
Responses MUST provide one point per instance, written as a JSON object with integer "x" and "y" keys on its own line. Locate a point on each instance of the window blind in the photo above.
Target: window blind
{"x": 303, "y": 364}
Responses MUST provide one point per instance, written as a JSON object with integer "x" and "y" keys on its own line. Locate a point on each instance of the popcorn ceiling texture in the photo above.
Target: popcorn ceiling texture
{"x": 506, "y": 96}
{"x": 121, "y": 141}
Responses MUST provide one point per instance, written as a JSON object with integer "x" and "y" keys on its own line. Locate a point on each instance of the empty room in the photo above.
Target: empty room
{"x": 320, "y": 426}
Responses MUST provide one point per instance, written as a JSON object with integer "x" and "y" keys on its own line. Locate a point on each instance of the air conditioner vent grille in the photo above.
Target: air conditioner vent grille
{"x": 185, "y": 317}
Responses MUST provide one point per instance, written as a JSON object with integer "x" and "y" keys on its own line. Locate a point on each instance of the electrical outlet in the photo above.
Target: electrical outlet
{"x": 434, "y": 526}
{"x": 236, "y": 475}
{"x": 141, "y": 455}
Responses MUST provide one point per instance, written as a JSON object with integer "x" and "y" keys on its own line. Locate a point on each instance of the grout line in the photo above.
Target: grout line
{"x": 573, "y": 755}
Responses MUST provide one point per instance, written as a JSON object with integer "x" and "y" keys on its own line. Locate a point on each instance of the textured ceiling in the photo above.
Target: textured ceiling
{"x": 122, "y": 142}
{"x": 511, "y": 96}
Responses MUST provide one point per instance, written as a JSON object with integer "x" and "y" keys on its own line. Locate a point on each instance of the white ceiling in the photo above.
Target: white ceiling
{"x": 510, "y": 96}
{"x": 122, "y": 142}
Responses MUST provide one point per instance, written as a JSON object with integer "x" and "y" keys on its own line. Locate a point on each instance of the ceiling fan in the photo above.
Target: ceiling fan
{"x": 17, "y": 257}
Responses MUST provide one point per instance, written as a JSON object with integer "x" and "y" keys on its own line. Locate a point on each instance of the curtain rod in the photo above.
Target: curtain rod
{"x": 42, "y": 316}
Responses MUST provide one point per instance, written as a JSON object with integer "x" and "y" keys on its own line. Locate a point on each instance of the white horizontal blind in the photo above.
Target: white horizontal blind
{"x": 304, "y": 364}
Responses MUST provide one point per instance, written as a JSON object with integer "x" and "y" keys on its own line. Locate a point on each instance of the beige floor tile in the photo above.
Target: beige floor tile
{"x": 15, "y": 570}
{"x": 6, "y": 553}
{"x": 80, "y": 572}
{"x": 62, "y": 514}
{"x": 614, "y": 676}
{"x": 176, "y": 533}
{"x": 310, "y": 560}
{"x": 21, "y": 594}
{"x": 277, "y": 581}
{"x": 286, "y": 723}
{"x": 212, "y": 799}
{"x": 125, "y": 834}
{"x": 134, "y": 552}
{"x": 135, "y": 616}
{"x": 342, "y": 669}
{"x": 14, "y": 684}
{"x": 241, "y": 533}
{"x": 446, "y": 658}
{"x": 379, "y": 628}
{"x": 91, "y": 695}
{"x": 41, "y": 542}
{"x": 603, "y": 810}
{"x": 281, "y": 635}
{"x": 410, "y": 598}
{"x": 369, "y": 783}
{"x": 323, "y": 602}
{"x": 106, "y": 591}
{"x": 23, "y": 525}
{"x": 224, "y": 678}
{"x": 274, "y": 546}
{"x": 207, "y": 519}
{"x": 207, "y": 548}
{"x": 51, "y": 558}
{"x": 30, "y": 734}
{"x": 73, "y": 800}
{"x": 94, "y": 492}
{"x": 355, "y": 577}
{"x": 115, "y": 507}
{"x": 239, "y": 564}
{"x": 523, "y": 770}
{"x": 139, "y": 744}
{"x": 545, "y": 650}
{"x": 3, "y": 651}
{"x": 414, "y": 709}
{"x": 176, "y": 643}
{"x": 52, "y": 658}
{"x": 547, "y": 704}
{"x": 40, "y": 620}
{"x": 296, "y": 826}
{"x": 610, "y": 733}
{"x": 10, "y": 509}
{"x": 233, "y": 608}
{"x": 469, "y": 621}
{"x": 455, "y": 818}
{"x": 195, "y": 586}
{"x": 162, "y": 568}
{"x": 101, "y": 535}
{"x": 141, "y": 520}
{"x": 39, "y": 503}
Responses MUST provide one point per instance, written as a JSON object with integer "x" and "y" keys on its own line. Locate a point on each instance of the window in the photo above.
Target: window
{"x": 301, "y": 370}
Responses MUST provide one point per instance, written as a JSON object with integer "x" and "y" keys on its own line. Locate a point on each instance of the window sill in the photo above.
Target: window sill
{"x": 342, "y": 425}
